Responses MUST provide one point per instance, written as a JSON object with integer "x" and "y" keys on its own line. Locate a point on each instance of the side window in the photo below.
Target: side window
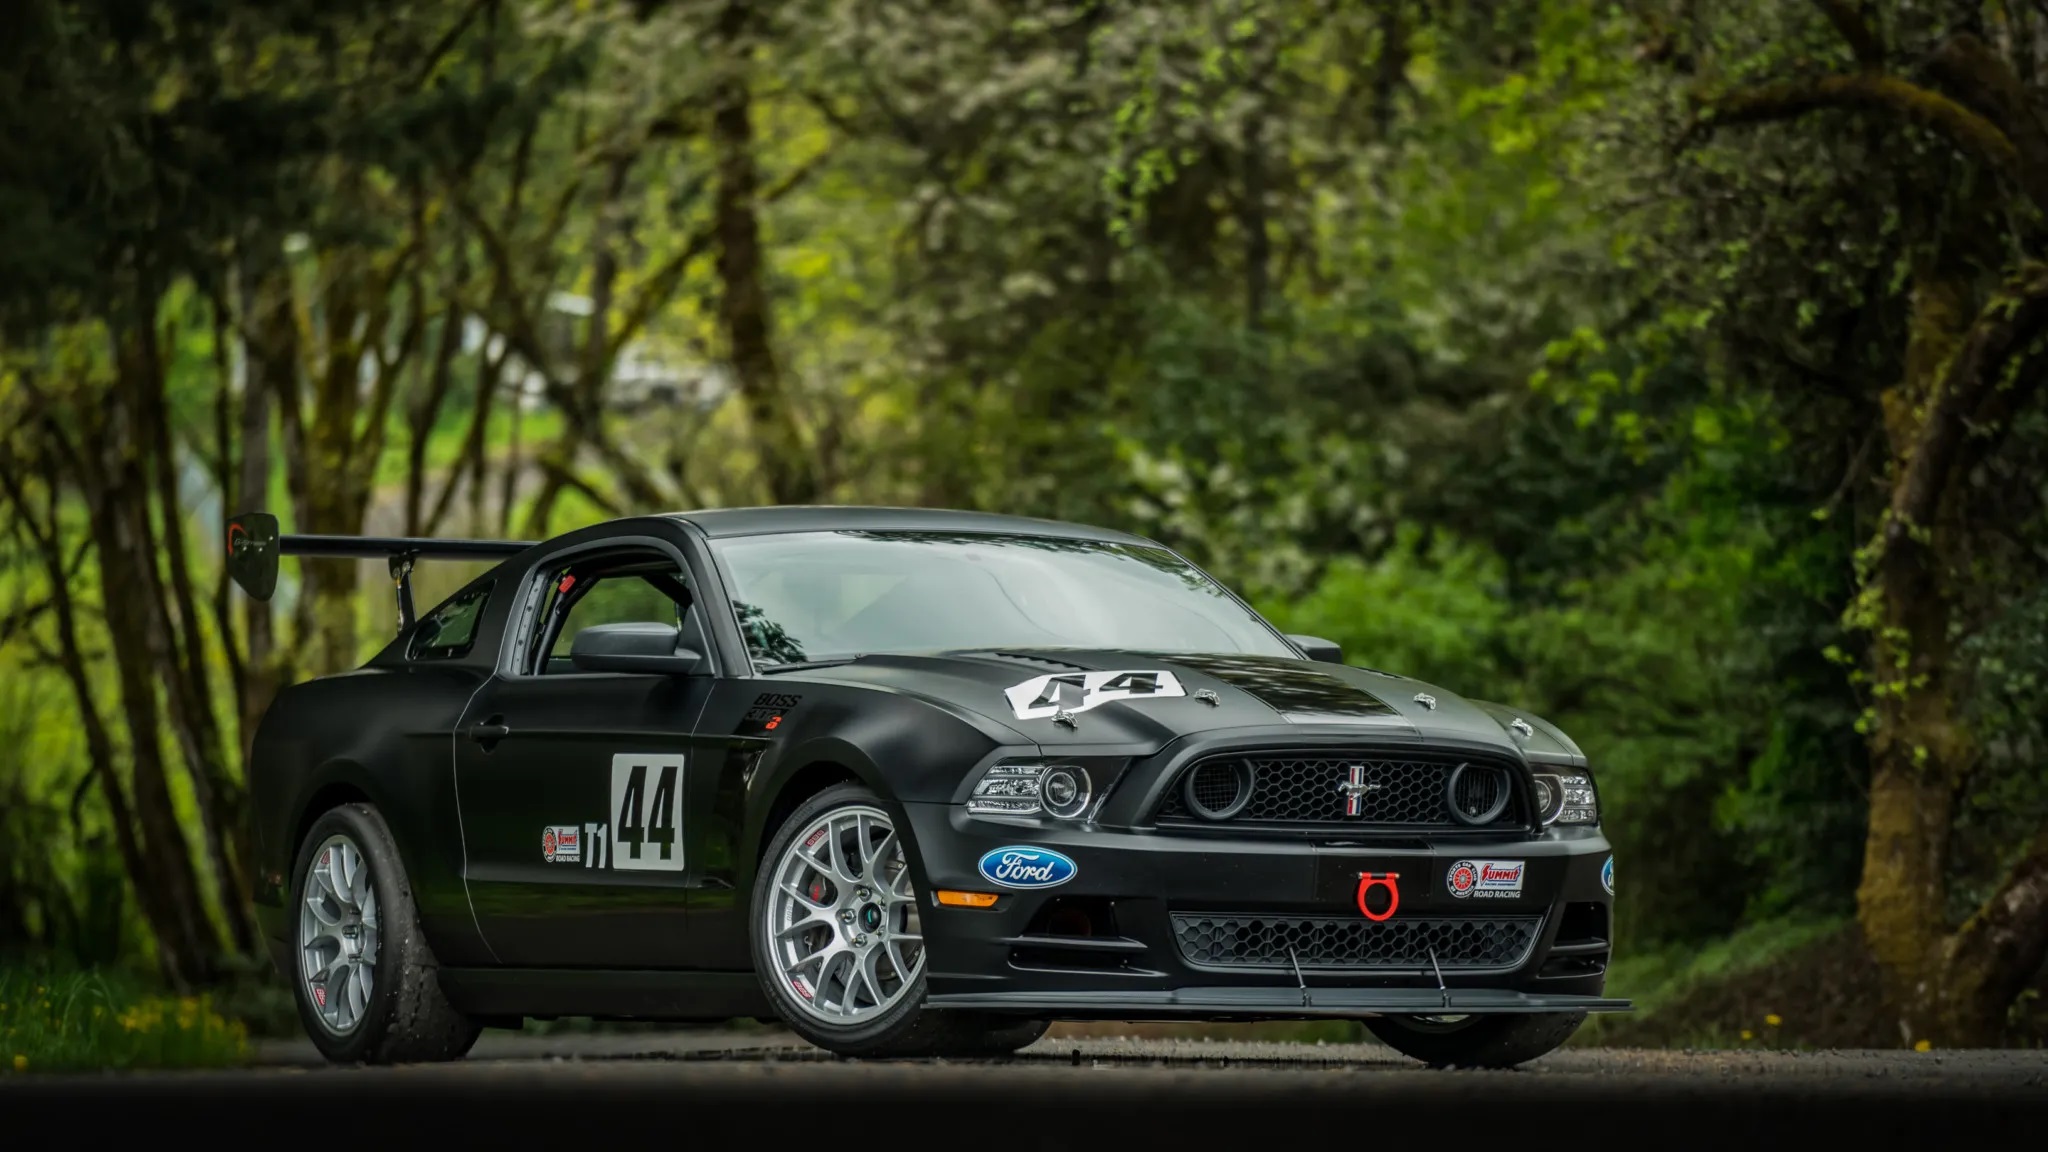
{"x": 448, "y": 631}
{"x": 622, "y": 599}
{"x": 638, "y": 586}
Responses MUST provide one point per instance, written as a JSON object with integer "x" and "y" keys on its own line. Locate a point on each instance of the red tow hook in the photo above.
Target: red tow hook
{"x": 1367, "y": 881}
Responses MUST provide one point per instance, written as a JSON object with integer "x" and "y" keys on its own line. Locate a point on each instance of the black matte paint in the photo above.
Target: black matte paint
{"x": 519, "y": 935}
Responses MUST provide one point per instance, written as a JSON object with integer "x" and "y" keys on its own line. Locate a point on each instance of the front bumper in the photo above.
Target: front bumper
{"x": 1144, "y": 927}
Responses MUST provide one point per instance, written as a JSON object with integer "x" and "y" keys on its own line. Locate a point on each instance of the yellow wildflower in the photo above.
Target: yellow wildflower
{"x": 1748, "y": 1035}
{"x": 1774, "y": 1020}
{"x": 1921, "y": 1046}
{"x": 20, "y": 1063}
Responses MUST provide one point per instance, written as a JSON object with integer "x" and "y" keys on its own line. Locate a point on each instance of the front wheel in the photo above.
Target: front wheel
{"x": 1475, "y": 1041}
{"x": 839, "y": 944}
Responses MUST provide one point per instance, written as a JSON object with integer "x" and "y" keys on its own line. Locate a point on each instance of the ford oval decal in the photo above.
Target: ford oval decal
{"x": 1021, "y": 867}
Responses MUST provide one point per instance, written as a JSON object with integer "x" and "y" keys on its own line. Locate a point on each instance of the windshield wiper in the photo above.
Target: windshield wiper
{"x": 801, "y": 665}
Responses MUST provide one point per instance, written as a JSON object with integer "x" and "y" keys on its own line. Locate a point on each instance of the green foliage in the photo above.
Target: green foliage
{"x": 1657, "y": 979}
{"x": 1435, "y": 610}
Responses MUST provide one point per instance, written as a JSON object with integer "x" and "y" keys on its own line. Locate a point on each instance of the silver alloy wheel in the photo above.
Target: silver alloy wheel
{"x": 338, "y": 935}
{"x": 843, "y": 928}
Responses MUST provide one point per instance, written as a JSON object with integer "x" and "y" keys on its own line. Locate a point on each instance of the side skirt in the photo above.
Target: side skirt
{"x": 605, "y": 994}
{"x": 1273, "y": 1003}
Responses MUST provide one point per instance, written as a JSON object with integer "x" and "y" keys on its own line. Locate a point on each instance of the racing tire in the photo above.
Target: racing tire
{"x": 1476, "y": 1041}
{"x": 352, "y": 910}
{"x": 901, "y": 1027}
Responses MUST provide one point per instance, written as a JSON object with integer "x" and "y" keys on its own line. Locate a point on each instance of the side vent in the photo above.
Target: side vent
{"x": 1581, "y": 948}
{"x": 1075, "y": 934}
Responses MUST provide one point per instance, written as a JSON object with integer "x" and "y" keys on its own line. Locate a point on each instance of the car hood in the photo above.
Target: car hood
{"x": 1022, "y": 690}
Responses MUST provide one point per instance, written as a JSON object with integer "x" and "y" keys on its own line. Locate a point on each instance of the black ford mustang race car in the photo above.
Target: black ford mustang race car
{"x": 911, "y": 781}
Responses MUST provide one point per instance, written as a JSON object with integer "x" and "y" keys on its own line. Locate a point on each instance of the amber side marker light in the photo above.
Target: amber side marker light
{"x": 967, "y": 899}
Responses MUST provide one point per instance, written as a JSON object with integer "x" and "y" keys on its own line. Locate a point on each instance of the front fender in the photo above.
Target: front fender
{"x": 903, "y": 748}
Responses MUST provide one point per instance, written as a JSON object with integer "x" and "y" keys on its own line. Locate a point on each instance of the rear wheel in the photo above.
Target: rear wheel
{"x": 839, "y": 944}
{"x": 367, "y": 985}
{"x": 1475, "y": 1041}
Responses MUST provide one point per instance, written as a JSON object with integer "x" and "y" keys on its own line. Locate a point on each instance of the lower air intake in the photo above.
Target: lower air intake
{"x": 1241, "y": 941}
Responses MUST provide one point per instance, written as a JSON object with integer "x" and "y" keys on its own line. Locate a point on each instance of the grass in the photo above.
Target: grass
{"x": 54, "y": 1020}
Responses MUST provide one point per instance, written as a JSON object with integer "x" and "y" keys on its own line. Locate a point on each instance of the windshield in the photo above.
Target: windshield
{"x": 809, "y": 596}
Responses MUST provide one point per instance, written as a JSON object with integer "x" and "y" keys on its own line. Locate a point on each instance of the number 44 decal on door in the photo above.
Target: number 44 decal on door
{"x": 646, "y": 816}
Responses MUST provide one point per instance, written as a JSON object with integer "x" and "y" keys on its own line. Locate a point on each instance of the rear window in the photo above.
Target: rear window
{"x": 448, "y": 631}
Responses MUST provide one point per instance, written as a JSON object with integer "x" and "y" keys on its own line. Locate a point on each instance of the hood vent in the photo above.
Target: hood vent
{"x": 1039, "y": 661}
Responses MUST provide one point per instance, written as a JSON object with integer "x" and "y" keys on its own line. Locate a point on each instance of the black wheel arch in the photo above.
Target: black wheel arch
{"x": 900, "y": 746}
{"x": 334, "y": 783}
{"x": 806, "y": 770}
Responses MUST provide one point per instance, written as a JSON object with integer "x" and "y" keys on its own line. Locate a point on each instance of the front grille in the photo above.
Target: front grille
{"x": 1247, "y": 941}
{"x": 1214, "y": 786}
{"x": 1287, "y": 789}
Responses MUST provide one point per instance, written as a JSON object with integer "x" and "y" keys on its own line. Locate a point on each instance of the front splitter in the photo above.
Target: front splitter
{"x": 1273, "y": 1003}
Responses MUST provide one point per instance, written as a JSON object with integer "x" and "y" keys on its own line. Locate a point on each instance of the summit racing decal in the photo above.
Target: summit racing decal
{"x": 1044, "y": 697}
{"x": 562, "y": 844}
{"x": 1486, "y": 879}
{"x": 1023, "y": 867}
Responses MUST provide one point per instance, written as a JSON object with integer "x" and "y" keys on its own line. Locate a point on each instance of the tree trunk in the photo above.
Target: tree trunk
{"x": 118, "y": 510}
{"x": 154, "y": 893}
{"x": 1949, "y": 988}
{"x": 179, "y": 640}
{"x": 743, "y": 308}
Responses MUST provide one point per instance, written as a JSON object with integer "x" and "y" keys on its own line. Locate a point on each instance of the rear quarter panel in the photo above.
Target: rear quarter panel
{"x": 381, "y": 734}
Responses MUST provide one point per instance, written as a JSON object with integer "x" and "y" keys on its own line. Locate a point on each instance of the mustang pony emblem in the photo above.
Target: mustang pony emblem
{"x": 1354, "y": 788}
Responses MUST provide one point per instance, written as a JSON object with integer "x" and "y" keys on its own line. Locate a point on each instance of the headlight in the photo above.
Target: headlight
{"x": 1013, "y": 789}
{"x": 1566, "y": 799}
{"x": 1065, "y": 790}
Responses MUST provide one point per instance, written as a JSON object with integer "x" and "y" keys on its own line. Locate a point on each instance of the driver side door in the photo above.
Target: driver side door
{"x": 573, "y": 783}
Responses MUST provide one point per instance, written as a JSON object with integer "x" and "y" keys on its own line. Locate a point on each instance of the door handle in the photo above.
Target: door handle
{"x": 487, "y": 733}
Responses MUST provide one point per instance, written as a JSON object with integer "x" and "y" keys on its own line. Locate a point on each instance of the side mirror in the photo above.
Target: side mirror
{"x": 651, "y": 649}
{"x": 1317, "y": 648}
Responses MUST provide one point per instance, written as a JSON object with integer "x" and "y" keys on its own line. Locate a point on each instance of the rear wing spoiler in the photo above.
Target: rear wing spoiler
{"x": 254, "y": 546}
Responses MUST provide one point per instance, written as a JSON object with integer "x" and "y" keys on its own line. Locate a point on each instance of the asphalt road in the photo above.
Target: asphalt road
{"x": 1060, "y": 1093}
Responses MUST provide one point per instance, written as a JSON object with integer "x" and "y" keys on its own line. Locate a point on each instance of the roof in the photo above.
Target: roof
{"x": 724, "y": 522}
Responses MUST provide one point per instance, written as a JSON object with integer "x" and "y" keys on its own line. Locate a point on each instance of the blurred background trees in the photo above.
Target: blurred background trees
{"x": 1668, "y": 368}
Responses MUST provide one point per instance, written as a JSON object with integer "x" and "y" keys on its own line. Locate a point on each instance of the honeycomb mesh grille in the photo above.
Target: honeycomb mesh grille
{"x": 1247, "y": 941}
{"x": 1216, "y": 785}
{"x": 1311, "y": 790}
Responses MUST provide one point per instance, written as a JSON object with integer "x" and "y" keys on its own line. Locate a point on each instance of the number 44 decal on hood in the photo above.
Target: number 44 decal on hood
{"x": 1072, "y": 692}
{"x": 645, "y": 830}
